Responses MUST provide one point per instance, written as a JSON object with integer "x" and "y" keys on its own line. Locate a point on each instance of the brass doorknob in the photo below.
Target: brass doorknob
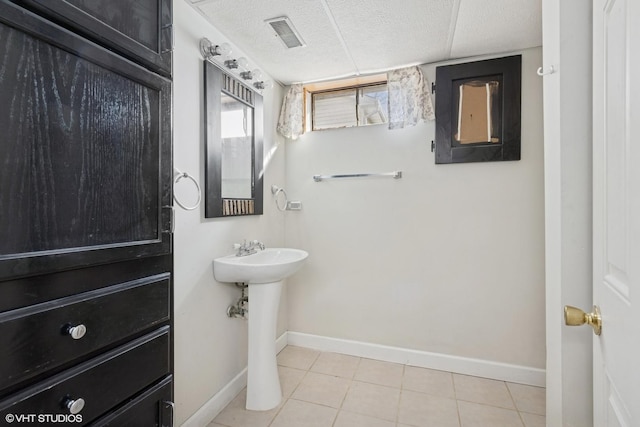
{"x": 573, "y": 316}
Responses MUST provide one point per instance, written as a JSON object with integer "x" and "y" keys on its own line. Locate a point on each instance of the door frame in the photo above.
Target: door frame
{"x": 568, "y": 210}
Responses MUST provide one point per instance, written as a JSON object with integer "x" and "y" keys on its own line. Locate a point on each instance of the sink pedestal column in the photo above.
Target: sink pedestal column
{"x": 263, "y": 383}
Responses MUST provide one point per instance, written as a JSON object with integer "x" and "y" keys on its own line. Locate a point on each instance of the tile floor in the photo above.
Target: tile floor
{"x": 336, "y": 390}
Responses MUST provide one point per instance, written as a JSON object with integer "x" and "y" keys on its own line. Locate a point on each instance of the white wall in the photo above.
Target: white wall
{"x": 567, "y": 116}
{"x": 210, "y": 348}
{"x": 449, "y": 259}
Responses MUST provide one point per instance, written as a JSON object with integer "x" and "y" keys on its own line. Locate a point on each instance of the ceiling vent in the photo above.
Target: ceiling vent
{"x": 286, "y": 32}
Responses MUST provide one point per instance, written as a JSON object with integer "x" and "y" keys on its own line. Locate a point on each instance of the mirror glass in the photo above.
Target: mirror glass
{"x": 237, "y": 148}
{"x": 233, "y": 143}
{"x": 479, "y": 115}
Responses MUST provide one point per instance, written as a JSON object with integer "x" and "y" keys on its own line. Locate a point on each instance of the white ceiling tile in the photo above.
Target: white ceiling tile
{"x": 243, "y": 22}
{"x": 378, "y": 34}
{"x": 383, "y": 34}
{"x": 493, "y": 26}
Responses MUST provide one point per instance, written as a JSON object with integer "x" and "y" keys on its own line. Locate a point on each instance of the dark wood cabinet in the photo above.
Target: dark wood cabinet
{"x": 40, "y": 337}
{"x": 102, "y": 382}
{"x": 138, "y": 29}
{"x": 86, "y": 151}
{"x": 86, "y": 264}
{"x": 154, "y": 407}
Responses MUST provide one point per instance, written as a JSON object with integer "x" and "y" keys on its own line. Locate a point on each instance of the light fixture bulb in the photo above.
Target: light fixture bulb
{"x": 257, "y": 74}
{"x": 210, "y": 50}
{"x": 243, "y": 63}
{"x": 223, "y": 49}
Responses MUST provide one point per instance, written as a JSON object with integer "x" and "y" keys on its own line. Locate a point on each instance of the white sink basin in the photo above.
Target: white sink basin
{"x": 266, "y": 266}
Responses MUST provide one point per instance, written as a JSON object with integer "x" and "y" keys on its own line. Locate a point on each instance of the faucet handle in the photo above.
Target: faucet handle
{"x": 258, "y": 244}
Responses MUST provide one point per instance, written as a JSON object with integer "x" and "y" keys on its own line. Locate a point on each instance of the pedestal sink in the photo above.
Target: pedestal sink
{"x": 264, "y": 272}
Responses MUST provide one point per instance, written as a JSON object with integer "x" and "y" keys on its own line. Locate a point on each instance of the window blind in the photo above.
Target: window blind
{"x": 335, "y": 109}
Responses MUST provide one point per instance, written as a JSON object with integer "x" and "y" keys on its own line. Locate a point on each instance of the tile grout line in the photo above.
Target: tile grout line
{"x": 285, "y": 400}
{"x": 401, "y": 389}
{"x": 515, "y": 405}
{"x": 309, "y": 369}
{"x": 351, "y": 380}
{"x": 455, "y": 396}
{"x": 345, "y": 395}
{"x": 277, "y": 412}
{"x": 404, "y": 369}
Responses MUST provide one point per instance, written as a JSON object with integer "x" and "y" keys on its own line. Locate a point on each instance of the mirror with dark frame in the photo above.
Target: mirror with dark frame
{"x": 233, "y": 145}
{"x": 478, "y": 111}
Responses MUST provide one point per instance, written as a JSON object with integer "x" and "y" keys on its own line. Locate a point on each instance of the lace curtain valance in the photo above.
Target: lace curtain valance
{"x": 409, "y": 97}
{"x": 409, "y": 102}
{"x": 291, "y": 121}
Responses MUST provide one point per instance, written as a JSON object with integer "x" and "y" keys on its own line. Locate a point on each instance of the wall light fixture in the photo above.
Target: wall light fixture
{"x": 210, "y": 51}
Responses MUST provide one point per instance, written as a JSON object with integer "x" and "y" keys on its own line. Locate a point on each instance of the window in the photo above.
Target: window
{"x": 348, "y": 107}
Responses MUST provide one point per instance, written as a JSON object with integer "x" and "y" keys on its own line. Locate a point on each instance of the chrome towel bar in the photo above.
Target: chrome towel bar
{"x": 395, "y": 174}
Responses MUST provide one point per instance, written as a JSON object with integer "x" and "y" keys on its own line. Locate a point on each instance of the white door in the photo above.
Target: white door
{"x": 616, "y": 211}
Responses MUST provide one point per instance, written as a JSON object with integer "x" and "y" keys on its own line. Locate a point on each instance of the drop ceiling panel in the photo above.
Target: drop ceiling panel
{"x": 492, "y": 26}
{"x": 242, "y": 21}
{"x": 344, "y": 38}
{"x": 383, "y": 34}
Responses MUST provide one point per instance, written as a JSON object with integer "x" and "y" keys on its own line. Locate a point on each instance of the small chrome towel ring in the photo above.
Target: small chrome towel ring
{"x": 179, "y": 176}
{"x": 275, "y": 190}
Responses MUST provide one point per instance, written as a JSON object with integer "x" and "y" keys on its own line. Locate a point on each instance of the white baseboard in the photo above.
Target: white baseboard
{"x": 218, "y": 402}
{"x": 221, "y": 399}
{"x": 282, "y": 342}
{"x": 443, "y": 362}
{"x": 424, "y": 359}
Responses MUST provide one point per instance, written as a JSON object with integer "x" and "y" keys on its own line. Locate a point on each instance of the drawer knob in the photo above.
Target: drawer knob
{"x": 77, "y": 331}
{"x": 74, "y": 405}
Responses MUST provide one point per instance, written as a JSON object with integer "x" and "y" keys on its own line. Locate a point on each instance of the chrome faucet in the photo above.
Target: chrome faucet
{"x": 245, "y": 248}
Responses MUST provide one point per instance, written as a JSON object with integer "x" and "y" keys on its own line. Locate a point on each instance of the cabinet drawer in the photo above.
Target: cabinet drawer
{"x": 153, "y": 407}
{"x": 39, "y": 337}
{"x": 102, "y": 383}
